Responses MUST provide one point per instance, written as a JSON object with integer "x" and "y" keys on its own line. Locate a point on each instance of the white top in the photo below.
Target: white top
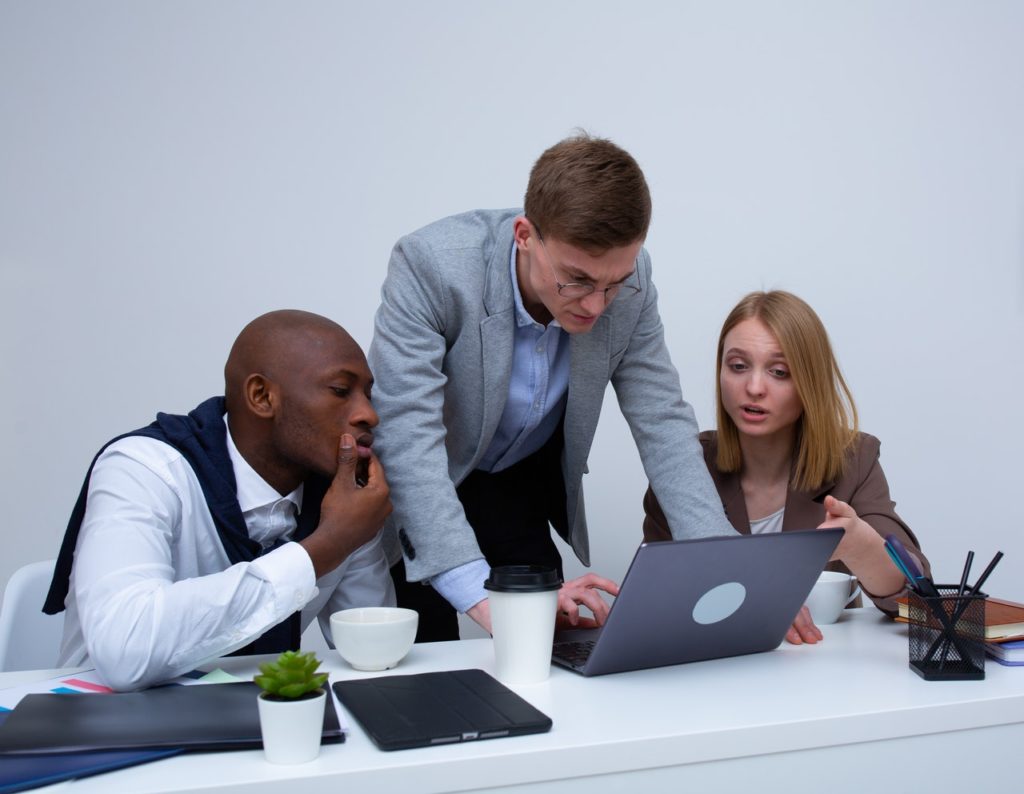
{"x": 768, "y": 524}
{"x": 152, "y": 591}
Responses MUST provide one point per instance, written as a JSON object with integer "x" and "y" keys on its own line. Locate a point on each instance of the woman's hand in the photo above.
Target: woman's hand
{"x": 803, "y": 629}
{"x": 858, "y": 540}
{"x": 862, "y": 550}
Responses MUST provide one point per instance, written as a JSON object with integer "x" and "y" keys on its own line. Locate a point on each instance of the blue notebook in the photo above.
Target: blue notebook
{"x": 24, "y": 772}
{"x": 1009, "y": 654}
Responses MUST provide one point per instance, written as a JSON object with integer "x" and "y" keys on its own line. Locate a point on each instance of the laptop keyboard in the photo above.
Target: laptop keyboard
{"x": 574, "y": 654}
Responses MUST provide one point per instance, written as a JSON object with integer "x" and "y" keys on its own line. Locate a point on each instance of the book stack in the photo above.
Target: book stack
{"x": 1004, "y": 629}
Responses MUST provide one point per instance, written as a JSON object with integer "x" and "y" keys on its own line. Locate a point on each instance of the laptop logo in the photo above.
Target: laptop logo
{"x": 719, "y": 602}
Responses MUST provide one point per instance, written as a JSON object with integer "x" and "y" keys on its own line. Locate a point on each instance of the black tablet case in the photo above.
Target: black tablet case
{"x": 403, "y": 711}
{"x": 199, "y": 717}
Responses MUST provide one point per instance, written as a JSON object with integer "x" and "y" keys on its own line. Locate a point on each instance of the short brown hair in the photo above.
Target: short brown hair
{"x": 828, "y": 423}
{"x": 589, "y": 193}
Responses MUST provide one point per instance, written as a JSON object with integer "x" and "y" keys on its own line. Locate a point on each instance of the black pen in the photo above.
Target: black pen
{"x": 976, "y": 588}
{"x": 981, "y": 579}
{"x": 966, "y": 573}
{"x": 959, "y": 594}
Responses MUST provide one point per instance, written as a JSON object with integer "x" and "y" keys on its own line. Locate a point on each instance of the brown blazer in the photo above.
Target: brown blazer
{"x": 862, "y": 485}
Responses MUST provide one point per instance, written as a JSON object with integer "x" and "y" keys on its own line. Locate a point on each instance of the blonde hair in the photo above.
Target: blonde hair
{"x": 828, "y": 423}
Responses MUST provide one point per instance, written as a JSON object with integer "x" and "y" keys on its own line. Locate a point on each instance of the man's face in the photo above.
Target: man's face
{"x": 322, "y": 392}
{"x": 544, "y": 264}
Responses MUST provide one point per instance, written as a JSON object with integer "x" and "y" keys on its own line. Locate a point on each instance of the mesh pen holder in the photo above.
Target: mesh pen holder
{"x": 947, "y": 635}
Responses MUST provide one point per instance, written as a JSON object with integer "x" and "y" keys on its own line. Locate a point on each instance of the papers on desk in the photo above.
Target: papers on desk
{"x": 89, "y": 682}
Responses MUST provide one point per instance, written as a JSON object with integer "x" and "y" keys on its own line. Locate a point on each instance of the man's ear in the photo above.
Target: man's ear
{"x": 522, "y": 232}
{"x": 260, "y": 396}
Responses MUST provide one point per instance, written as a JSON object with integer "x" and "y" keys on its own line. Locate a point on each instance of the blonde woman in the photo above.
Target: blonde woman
{"x": 787, "y": 453}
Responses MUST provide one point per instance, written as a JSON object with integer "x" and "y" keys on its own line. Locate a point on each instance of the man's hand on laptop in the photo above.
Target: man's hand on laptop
{"x": 584, "y": 591}
{"x": 803, "y": 629}
{"x": 576, "y": 592}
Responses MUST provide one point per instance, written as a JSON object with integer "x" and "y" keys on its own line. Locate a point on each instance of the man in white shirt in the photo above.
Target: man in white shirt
{"x": 232, "y": 527}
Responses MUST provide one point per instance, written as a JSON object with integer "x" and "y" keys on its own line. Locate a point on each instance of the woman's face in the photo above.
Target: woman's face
{"x": 758, "y": 391}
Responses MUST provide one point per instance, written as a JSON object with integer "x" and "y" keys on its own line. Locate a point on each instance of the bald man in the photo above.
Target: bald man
{"x": 230, "y": 529}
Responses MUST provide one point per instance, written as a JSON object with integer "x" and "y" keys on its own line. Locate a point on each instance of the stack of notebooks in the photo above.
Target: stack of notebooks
{"x": 50, "y": 736}
{"x": 1004, "y": 629}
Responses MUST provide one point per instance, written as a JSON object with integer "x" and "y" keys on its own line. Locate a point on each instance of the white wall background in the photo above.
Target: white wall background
{"x": 170, "y": 170}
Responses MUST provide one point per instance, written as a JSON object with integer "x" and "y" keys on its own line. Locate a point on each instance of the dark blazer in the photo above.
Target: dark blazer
{"x": 862, "y": 485}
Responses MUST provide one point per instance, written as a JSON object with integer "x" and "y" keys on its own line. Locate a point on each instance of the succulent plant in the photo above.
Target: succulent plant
{"x": 290, "y": 676}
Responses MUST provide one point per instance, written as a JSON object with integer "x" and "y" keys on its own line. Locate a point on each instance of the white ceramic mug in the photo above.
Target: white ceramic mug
{"x": 374, "y": 638}
{"x": 831, "y": 594}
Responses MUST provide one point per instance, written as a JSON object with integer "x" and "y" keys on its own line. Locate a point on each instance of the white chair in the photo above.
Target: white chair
{"x": 29, "y": 639}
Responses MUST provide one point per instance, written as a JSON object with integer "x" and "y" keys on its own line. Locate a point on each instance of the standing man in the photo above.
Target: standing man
{"x": 235, "y": 526}
{"x": 496, "y": 337}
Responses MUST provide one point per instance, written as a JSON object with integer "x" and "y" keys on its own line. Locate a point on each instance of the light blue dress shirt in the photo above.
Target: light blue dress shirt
{"x": 536, "y": 390}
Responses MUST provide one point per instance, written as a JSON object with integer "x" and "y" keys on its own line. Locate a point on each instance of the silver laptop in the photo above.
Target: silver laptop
{"x": 688, "y": 600}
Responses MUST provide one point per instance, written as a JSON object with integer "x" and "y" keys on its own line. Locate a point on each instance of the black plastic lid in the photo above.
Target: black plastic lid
{"x": 523, "y": 579}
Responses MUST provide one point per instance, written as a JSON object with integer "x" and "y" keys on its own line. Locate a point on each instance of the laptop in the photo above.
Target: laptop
{"x": 690, "y": 600}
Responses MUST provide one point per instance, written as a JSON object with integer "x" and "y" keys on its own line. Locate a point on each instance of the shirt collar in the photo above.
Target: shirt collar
{"x": 523, "y": 317}
{"x": 252, "y": 490}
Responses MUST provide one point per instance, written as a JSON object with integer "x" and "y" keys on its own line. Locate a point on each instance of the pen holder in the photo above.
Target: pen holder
{"x": 947, "y": 635}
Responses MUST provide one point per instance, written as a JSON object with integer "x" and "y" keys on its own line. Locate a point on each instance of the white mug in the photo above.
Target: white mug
{"x": 831, "y": 594}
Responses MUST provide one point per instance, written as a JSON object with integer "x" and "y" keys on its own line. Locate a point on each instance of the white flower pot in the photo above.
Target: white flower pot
{"x": 292, "y": 729}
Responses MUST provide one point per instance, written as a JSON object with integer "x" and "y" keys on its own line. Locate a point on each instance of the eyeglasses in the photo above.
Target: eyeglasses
{"x": 576, "y": 289}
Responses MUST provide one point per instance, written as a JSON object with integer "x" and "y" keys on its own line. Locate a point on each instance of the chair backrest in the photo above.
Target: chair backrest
{"x": 29, "y": 639}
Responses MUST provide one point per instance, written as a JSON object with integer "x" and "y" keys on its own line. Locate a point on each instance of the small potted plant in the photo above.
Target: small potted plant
{"x": 291, "y": 707}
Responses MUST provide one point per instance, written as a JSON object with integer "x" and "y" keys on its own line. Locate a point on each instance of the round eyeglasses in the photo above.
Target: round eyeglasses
{"x": 579, "y": 289}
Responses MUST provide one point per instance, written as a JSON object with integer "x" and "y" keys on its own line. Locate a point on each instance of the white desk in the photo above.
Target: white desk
{"x": 848, "y": 710}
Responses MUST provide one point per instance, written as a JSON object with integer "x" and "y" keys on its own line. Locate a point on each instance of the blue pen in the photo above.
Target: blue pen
{"x": 915, "y": 576}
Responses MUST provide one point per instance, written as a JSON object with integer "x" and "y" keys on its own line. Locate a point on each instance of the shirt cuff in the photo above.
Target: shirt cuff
{"x": 463, "y": 587}
{"x": 289, "y": 571}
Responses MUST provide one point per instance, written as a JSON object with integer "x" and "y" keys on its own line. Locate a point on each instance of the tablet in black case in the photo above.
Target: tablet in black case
{"x": 403, "y": 711}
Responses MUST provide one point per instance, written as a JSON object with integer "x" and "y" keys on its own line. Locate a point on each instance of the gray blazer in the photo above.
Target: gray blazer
{"x": 442, "y": 359}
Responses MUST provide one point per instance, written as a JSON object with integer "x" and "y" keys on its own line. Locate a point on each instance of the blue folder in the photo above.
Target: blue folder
{"x": 24, "y": 772}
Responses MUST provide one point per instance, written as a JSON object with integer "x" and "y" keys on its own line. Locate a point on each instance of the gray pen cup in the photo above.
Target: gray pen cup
{"x": 947, "y": 635}
{"x": 523, "y": 601}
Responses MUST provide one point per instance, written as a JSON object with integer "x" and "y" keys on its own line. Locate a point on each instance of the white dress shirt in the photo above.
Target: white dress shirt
{"x": 152, "y": 592}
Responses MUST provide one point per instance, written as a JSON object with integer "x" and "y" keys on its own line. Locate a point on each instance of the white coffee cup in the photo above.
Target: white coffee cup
{"x": 831, "y": 594}
{"x": 523, "y": 601}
